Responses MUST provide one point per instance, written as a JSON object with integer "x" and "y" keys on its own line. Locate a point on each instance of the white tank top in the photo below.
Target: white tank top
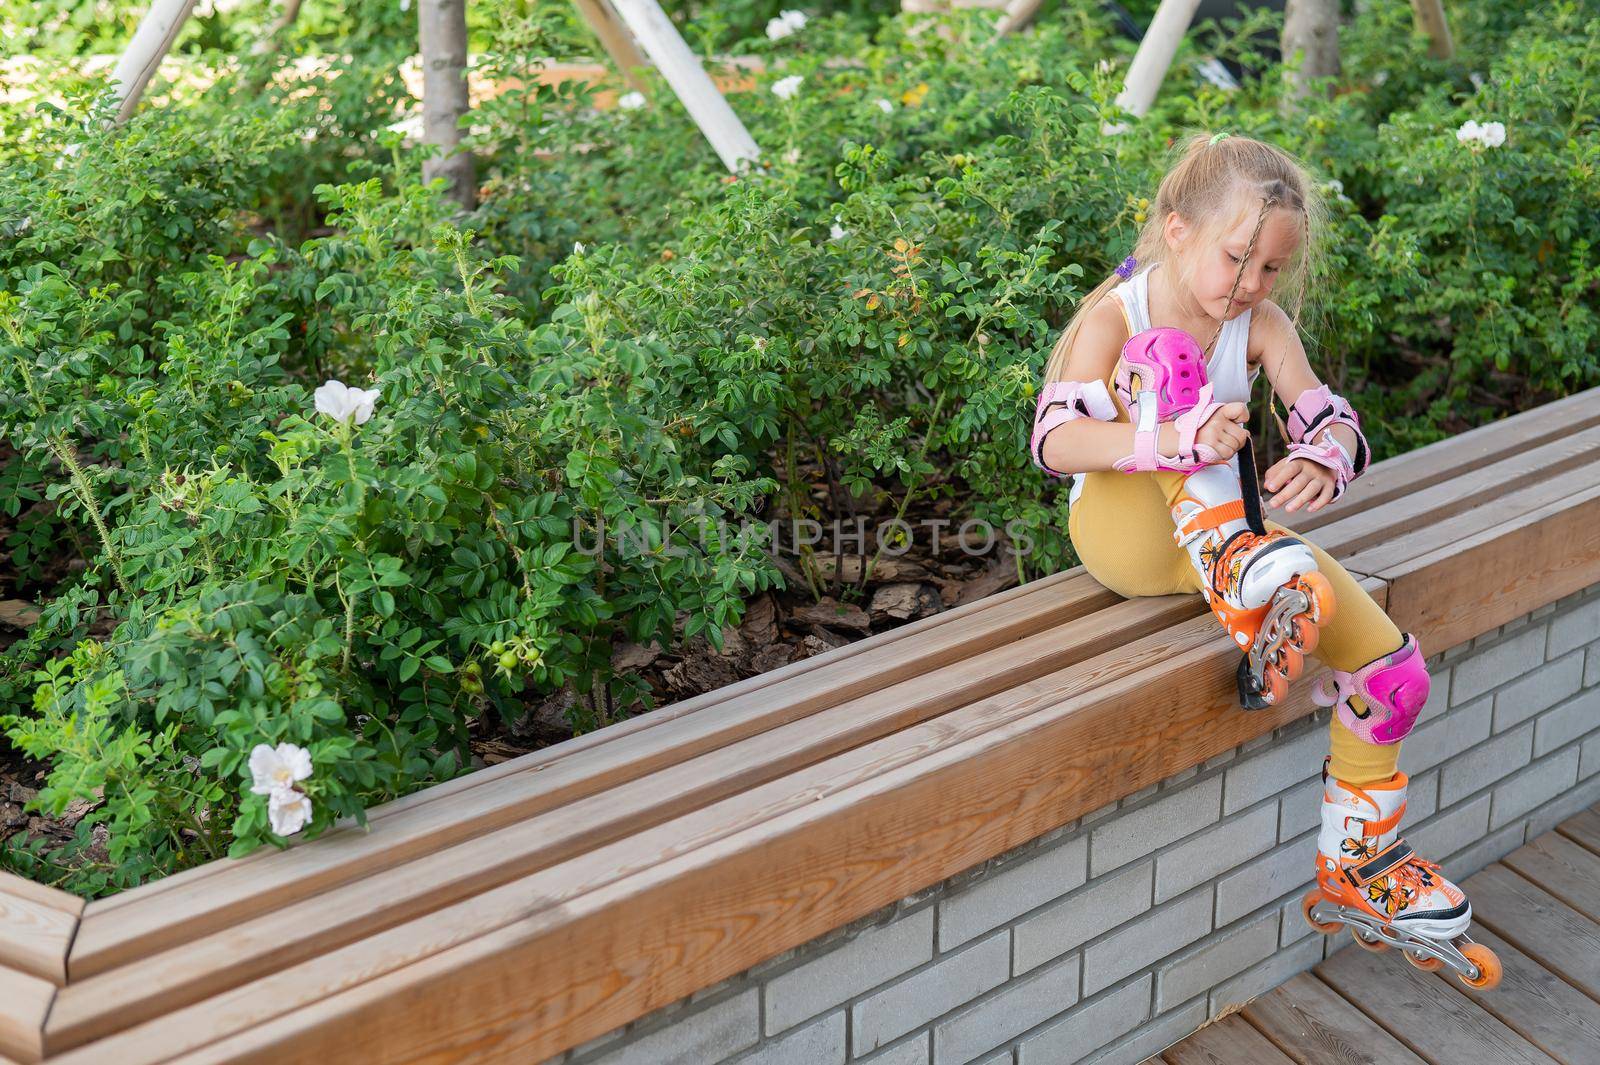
{"x": 1225, "y": 369}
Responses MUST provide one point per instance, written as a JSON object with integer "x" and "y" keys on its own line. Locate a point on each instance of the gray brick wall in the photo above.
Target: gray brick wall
{"x": 1112, "y": 937}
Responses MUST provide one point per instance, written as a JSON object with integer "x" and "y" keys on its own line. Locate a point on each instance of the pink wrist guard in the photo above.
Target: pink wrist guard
{"x": 1061, "y": 402}
{"x": 1394, "y": 689}
{"x": 1313, "y": 414}
{"x": 1161, "y": 377}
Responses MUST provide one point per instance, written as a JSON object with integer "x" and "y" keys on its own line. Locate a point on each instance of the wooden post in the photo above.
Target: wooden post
{"x": 442, "y": 29}
{"x": 661, "y": 41}
{"x": 1154, "y": 57}
{"x": 1429, "y": 18}
{"x": 614, "y": 38}
{"x": 1018, "y": 14}
{"x": 150, "y": 45}
{"x": 1311, "y": 27}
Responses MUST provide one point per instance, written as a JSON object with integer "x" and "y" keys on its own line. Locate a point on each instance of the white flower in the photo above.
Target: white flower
{"x": 631, "y": 101}
{"x": 792, "y": 156}
{"x": 1468, "y": 132}
{"x": 796, "y": 19}
{"x": 884, "y": 105}
{"x": 405, "y": 5}
{"x": 785, "y": 88}
{"x": 288, "y": 810}
{"x": 577, "y": 247}
{"x": 1380, "y": 77}
{"x": 778, "y": 29}
{"x": 1104, "y": 66}
{"x": 1493, "y": 134}
{"x": 836, "y": 231}
{"x": 276, "y": 768}
{"x": 344, "y": 404}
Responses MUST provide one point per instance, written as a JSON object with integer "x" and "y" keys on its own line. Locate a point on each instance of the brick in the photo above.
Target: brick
{"x": 1265, "y": 976}
{"x": 711, "y": 1034}
{"x": 1451, "y": 830}
{"x": 1486, "y": 763}
{"x": 1081, "y": 916}
{"x": 1438, "y": 739}
{"x": 1262, "y": 775}
{"x": 1538, "y": 691}
{"x": 1591, "y": 671}
{"x": 1293, "y": 925}
{"x": 1012, "y": 892}
{"x": 1151, "y": 938}
{"x": 819, "y": 1043}
{"x": 1300, "y": 808}
{"x": 1153, "y": 1038}
{"x": 1533, "y": 787}
{"x": 874, "y": 957}
{"x": 1574, "y": 718}
{"x": 917, "y": 999}
{"x": 1575, "y": 628}
{"x": 1292, "y": 867}
{"x": 1422, "y": 797}
{"x": 1001, "y": 1017}
{"x": 1090, "y": 1026}
{"x": 1493, "y": 666}
{"x": 1212, "y": 961}
{"x": 913, "y": 1051}
{"x": 1552, "y": 814}
{"x": 1589, "y": 762}
{"x": 1476, "y": 855}
{"x": 1215, "y": 851}
{"x": 1005, "y": 1057}
{"x": 1137, "y": 833}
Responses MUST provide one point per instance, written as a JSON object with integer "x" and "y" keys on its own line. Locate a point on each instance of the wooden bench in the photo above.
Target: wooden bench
{"x": 534, "y": 905}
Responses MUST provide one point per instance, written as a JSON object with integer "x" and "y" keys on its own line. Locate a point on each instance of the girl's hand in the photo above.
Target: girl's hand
{"x": 1300, "y": 481}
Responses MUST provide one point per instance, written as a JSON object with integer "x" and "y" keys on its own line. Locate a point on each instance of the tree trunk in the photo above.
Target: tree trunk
{"x": 1154, "y": 57}
{"x": 1311, "y": 27}
{"x": 442, "y": 29}
{"x": 1428, "y": 16}
{"x": 269, "y": 40}
{"x": 150, "y": 45}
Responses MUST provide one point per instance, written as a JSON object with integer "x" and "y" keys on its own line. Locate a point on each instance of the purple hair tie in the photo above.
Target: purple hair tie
{"x": 1125, "y": 271}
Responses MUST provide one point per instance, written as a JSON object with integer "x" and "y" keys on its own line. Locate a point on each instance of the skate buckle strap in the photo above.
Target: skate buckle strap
{"x": 1212, "y": 517}
{"x": 1385, "y": 861}
{"x": 1381, "y": 825}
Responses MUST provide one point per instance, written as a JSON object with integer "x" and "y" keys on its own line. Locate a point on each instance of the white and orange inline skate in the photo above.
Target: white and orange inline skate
{"x": 1262, "y": 586}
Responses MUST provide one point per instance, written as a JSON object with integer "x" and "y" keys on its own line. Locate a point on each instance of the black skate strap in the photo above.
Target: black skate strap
{"x": 1391, "y": 857}
{"x": 1250, "y": 485}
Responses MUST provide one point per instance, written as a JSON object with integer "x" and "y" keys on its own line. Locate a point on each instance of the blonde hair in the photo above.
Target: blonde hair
{"x": 1214, "y": 185}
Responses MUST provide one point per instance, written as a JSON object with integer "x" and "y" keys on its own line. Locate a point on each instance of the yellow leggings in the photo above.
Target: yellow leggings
{"x": 1121, "y": 527}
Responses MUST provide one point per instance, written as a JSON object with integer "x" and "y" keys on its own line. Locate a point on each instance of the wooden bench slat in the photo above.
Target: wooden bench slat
{"x": 36, "y": 928}
{"x": 248, "y": 948}
{"x": 24, "y": 1005}
{"x": 1071, "y": 593}
{"x": 1317, "y": 1027}
{"x": 1474, "y": 584}
{"x": 113, "y": 935}
{"x": 1541, "y": 925}
{"x": 996, "y": 773}
{"x": 1540, "y": 1006}
{"x": 1426, "y": 1014}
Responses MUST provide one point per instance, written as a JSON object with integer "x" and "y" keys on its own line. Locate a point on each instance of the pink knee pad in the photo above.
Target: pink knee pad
{"x": 1394, "y": 689}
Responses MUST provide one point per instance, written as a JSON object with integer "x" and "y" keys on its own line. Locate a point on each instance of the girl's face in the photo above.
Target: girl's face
{"x": 1214, "y": 268}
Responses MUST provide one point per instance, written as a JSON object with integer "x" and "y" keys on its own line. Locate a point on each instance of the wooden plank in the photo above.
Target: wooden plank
{"x": 1400, "y": 476}
{"x": 24, "y": 1005}
{"x": 1541, "y": 1007}
{"x": 1314, "y": 1026}
{"x": 1472, "y": 585}
{"x": 885, "y": 658}
{"x": 143, "y": 987}
{"x": 954, "y": 663}
{"x": 36, "y": 928}
{"x": 1228, "y": 1041}
{"x": 1428, "y": 1015}
{"x": 1583, "y": 829}
{"x": 1553, "y": 933}
{"x": 563, "y": 955}
{"x": 1415, "y": 523}
{"x": 1562, "y": 868}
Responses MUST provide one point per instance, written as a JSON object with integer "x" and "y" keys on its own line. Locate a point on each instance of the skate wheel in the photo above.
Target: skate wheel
{"x": 1304, "y": 635}
{"x": 1311, "y": 899}
{"x": 1292, "y": 663}
{"x": 1277, "y": 688}
{"x": 1427, "y": 965}
{"x": 1375, "y": 946}
{"x": 1488, "y": 964}
{"x": 1321, "y": 594}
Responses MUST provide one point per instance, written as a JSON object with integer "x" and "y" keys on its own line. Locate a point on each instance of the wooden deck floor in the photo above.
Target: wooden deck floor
{"x": 1539, "y": 908}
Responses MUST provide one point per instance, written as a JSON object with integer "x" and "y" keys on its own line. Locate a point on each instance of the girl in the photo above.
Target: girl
{"x": 1234, "y": 221}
